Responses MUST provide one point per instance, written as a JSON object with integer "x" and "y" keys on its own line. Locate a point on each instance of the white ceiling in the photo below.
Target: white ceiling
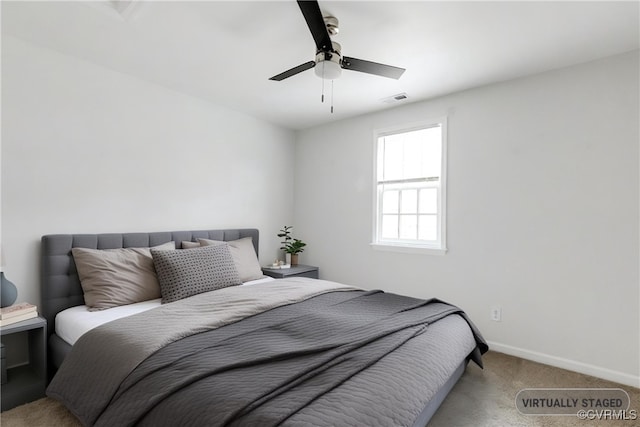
{"x": 225, "y": 51}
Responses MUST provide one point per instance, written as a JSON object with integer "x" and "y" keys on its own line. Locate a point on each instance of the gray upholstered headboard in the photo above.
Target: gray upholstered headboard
{"x": 60, "y": 285}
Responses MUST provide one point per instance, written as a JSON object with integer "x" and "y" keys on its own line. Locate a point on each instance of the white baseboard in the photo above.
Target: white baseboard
{"x": 571, "y": 365}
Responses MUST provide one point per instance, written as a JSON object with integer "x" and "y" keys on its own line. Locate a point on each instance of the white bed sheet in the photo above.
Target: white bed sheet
{"x": 74, "y": 322}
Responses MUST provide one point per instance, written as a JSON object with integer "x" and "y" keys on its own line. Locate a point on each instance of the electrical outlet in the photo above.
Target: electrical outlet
{"x": 496, "y": 313}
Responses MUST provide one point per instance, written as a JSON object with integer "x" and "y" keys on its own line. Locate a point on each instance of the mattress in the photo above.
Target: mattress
{"x": 74, "y": 322}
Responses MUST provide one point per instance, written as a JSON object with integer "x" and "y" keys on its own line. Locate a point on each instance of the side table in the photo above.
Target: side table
{"x": 293, "y": 271}
{"x": 26, "y": 383}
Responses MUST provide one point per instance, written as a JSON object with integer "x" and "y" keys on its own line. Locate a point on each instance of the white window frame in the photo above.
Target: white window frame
{"x": 439, "y": 247}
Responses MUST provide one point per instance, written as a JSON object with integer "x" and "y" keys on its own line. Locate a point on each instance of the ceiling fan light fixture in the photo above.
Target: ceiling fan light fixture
{"x": 328, "y": 69}
{"x": 328, "y": 64}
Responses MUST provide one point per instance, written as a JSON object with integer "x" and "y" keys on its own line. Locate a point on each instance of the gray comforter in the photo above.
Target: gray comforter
{"x": 276, "y": 365}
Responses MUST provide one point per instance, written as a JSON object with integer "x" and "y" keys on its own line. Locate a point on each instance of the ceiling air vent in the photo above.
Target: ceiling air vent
{"x": 395, "y": 98}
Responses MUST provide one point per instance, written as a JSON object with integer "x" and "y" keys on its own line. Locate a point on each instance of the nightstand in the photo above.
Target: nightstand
{"x": 26, "y": 383}
{"x": 294, "y": 271}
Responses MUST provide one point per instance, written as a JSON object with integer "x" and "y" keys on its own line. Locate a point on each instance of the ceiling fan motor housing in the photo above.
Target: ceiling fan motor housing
{"x": 332, "y": 25}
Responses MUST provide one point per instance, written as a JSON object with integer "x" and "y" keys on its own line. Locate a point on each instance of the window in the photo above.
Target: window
{"x": 410, "y": 187}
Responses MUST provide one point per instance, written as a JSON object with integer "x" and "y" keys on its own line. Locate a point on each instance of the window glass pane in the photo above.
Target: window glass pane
{"x": 389, "y": 226}
{"x": 409, "y": 201}
{"x": 408, "y": 155}
{"x": 380, "y": 163}
{"x": 393, "y": 157}
{"x": 429, "y": 200}
{"x": 389, "y": 201}
{"x": 413, "y": 158}
{"x": 408, "y": 227}
{"x": 428, "y": 229}
{"x": 432, "y": 151}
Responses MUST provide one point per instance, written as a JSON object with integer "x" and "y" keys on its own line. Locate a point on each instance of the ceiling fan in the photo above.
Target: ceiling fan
{"x": 329, "y": 61}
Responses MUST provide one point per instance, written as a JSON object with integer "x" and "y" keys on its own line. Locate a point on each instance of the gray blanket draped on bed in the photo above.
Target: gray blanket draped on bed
{"x": 262, "y": 370}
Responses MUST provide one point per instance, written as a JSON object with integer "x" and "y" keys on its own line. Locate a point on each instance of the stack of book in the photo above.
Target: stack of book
{"x": 17, "y": 313}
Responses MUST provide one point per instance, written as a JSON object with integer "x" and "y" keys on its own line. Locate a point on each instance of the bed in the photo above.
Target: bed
{"x": 296, "y": 352}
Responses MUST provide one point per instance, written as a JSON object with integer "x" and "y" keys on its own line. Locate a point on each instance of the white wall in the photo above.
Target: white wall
{"x": 86, "y": 149}
{"x": 543, "y": 215}
{"x": 543, "y": 192}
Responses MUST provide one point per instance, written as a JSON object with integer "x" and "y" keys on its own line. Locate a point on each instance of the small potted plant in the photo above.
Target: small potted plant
{"x": 291, "y": 246}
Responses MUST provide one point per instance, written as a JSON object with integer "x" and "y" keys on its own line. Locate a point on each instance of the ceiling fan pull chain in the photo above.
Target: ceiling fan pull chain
{"x": 331, "y": 96}
{"x": 322, "y": 97}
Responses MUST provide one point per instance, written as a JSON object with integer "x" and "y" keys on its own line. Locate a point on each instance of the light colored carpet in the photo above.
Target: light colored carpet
{"x": 486, "y": 398}
{"x": 482, "y": 398}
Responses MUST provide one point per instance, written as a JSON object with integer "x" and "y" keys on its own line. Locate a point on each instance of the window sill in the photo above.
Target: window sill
{"x": 407, "y": 249}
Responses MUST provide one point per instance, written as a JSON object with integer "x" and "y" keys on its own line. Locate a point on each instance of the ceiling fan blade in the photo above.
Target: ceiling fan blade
{"x": 369, "y": 67}
{"x": 315, "y": 21}
{"x": 294, "y": 71}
